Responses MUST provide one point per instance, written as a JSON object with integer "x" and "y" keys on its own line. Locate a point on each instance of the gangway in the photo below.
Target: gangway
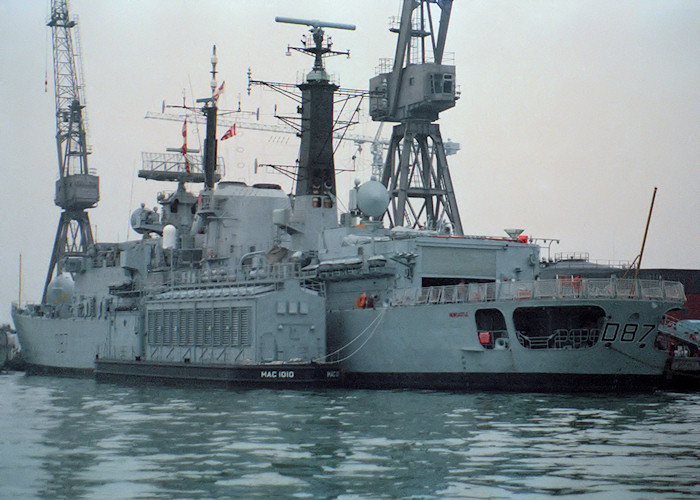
{"x": 687, "y": 331}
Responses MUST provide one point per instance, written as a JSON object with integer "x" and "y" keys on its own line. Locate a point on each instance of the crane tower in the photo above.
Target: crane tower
{"x": 76, "y": 189}
{"x": 413, "y": 92}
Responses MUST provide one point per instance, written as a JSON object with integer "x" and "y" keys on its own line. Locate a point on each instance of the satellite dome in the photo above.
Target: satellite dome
{"x": 60, "y": 290}
{"x": 372, "y": 198}
{"x": 169, "y": 241}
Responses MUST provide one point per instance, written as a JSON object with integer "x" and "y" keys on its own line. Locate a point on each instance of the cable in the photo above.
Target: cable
{"x": 374, "y": 325}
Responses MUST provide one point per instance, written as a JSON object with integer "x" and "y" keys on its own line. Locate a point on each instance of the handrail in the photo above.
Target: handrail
{"x": 247, "y": 275}
{"x": 248, "y": 280}
{"x": 555, "y": 289}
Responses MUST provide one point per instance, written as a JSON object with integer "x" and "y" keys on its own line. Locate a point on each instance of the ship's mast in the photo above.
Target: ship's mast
{"x": 316, "y": 174}
{"x": 76, "y": 189}
{"x": 178, "y": 165}
{"x": 210, "y": 110}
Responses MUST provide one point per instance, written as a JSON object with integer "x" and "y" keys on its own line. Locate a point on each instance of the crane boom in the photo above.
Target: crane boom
{"x": 413, "y": 94}
{"x": 76, "y": 188}
{"x": 70, "y": 117}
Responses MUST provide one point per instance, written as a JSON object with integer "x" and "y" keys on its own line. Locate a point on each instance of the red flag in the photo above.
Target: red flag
{"x": 219, "y": 91}
{"x": 229, "y": 133}
{"x": 184, "y": 146}
{"x": 184, "y": 137}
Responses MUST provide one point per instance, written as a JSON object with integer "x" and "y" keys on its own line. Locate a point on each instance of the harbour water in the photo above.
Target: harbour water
{"x": 75, "y": 438}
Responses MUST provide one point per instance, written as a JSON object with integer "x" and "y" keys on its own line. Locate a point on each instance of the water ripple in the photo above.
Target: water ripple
{"x": 64, "y": 438}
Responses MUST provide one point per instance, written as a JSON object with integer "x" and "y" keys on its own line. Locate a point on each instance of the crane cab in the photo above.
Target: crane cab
{"x": 424, "y": 90}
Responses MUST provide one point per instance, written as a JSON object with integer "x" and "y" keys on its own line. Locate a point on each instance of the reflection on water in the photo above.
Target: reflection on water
{"x": 67, "y": 438}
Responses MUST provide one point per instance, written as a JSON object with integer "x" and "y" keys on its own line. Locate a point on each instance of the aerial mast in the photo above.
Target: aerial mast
{"x": 210, "y": 110}
{"x": 412, "y": 92}
{"x": 315, "y": 201}
{"x": 76, "y": 189}
{"x": 316, "y": 174}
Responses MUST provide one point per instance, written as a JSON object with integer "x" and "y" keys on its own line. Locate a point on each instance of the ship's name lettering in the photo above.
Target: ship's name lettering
{"x": 629, "y": 332}
{"x": 277, "y": 374}
{"x": 460, "y": 314}
{"x": 333, "y": 374}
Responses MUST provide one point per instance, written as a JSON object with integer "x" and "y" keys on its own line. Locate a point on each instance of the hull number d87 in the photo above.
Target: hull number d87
{"x": 627, "y": 333}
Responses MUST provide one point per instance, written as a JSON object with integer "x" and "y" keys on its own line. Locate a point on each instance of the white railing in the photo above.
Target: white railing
{"x": 247, "y": 275}
{"x": 556, "y": 289}
{"x": 576, "y": 338}
{"x": 245, "y": 280}
{"x": 688, "y": 332}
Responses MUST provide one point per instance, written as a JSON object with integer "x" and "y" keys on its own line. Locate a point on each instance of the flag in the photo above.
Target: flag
{"x": 184, "y": 137}
{"x": 219, "y": 91}
{"x": 229, "y": 133}
{"x": 184, "y": 146}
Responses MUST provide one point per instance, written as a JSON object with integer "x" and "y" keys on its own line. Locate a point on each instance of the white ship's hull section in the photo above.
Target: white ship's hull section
{"x": 69, "y": 344}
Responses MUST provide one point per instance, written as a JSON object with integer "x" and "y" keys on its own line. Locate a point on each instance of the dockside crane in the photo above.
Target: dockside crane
{"x": 412, "y": 92}
{"x": 76, "y": 188}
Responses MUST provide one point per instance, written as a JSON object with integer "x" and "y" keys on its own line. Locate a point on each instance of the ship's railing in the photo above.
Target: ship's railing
{"x": 246, "y": 276}
{"x": 557, "y": 289}
{"x": 562, "y": 338}
{"x": 686, "y": 331}
{"x": 575, "y": 259}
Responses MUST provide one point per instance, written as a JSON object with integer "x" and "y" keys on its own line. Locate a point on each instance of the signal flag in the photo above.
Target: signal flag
{"x": 219, "y": 91}
{"x": 184, "y": 146}
{"x": 229, "y": 133}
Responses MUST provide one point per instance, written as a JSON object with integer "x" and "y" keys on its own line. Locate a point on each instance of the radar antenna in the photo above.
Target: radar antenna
{"x": 76, "y": 189}
{"x": 315, "y": 46}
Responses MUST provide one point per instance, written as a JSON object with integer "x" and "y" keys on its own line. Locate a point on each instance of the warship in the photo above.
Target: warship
{"x": 246, "y": 285}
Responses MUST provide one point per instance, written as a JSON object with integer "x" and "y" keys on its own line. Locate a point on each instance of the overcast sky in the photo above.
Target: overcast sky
{"x": 571, "y": 112}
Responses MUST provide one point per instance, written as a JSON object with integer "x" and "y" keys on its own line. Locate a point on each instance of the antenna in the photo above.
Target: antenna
{"x": 314, "y": 46}
{"x": 314, "y": 23}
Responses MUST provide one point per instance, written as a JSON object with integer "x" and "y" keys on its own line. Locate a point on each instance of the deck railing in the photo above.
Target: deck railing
{"x": 246, "y": 276}
{"x": 247, "y": 280}
{"x": 575, "y": 288}
{"x": 575, "y": 338}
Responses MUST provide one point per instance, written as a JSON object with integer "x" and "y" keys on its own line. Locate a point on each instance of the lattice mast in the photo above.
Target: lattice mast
{"x": 76, "y": 189}
{"x": 413, "y": 92}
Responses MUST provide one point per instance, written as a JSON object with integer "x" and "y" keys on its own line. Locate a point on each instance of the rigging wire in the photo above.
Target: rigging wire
{"x": 374, "y": 324}
{"x": 199, "y": 138}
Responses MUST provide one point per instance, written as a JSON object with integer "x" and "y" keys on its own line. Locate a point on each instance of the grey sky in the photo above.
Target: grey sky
{"x": 570, "y": 113}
